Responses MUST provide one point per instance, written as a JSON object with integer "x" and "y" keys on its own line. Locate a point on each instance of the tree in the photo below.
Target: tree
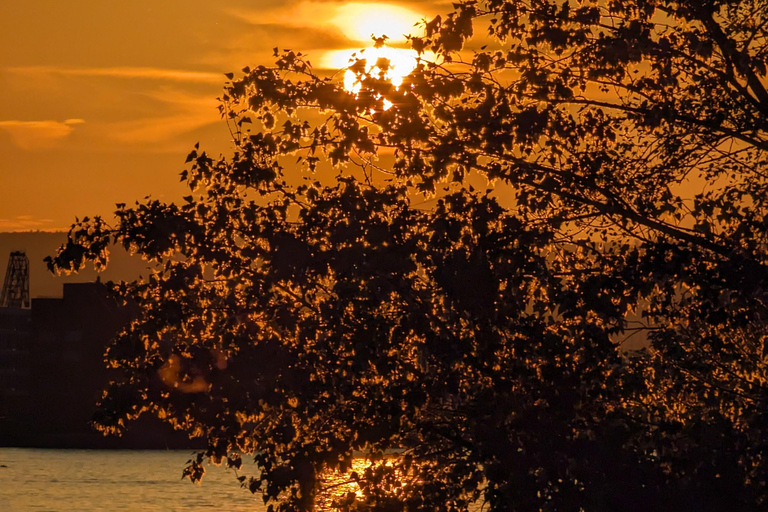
{"x": 470, "y": 343}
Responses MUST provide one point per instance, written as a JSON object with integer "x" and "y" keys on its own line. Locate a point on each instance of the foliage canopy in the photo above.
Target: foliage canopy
{"x": 368, "y": 301}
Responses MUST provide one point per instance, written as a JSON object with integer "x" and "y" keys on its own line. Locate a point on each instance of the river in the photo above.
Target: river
{"x": 115, "y": 481}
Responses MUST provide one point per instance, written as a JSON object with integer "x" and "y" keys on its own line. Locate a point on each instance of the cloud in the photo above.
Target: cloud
{"x": 356, "y": 20}
{"x": 254, "y": 45}
{"x": 330, "y": 32}
{"x": 32, "y": 135}
{"x": 174, "y": 75}
{"x": 159, "y": 129}
{"x": 27, "y": 223}
{"x": 185, "y": 113}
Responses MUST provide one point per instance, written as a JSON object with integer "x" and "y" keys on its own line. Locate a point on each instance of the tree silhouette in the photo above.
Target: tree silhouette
{"x": 367, "y": 301}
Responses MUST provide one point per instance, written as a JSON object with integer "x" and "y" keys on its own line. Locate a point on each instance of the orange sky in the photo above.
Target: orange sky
{"x": 100, "y": 101}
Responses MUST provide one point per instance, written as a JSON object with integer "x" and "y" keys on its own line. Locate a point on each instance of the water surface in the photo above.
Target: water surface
{"x": 114, "y": 480}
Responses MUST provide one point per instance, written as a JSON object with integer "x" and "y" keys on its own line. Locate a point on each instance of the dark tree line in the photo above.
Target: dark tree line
{"x": 473, "y": 346}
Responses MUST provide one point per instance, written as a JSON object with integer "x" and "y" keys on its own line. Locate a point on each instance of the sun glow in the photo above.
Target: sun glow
{"x": 360, "y": 21}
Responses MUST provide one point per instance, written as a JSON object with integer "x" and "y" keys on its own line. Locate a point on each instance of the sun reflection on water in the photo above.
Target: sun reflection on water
{"x": 339, "y": 486}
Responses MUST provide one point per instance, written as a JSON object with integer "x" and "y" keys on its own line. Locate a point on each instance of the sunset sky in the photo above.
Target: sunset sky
{"x": 101, "y": 101}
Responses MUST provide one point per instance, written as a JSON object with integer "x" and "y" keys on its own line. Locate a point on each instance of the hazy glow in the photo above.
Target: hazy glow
{"x": 360, "y": 21}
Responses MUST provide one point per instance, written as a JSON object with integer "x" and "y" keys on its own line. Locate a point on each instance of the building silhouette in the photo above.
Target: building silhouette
{"x": 52, "y": 373}
{"x": 15, "y": 333}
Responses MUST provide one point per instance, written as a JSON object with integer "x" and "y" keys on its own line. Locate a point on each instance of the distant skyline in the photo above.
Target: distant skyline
{"x": 101, "y": 101}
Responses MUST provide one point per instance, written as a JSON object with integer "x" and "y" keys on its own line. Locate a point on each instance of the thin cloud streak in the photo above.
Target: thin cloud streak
{"x": 28, "y": 223}
{"x": 175, "y": 75}
{"x": 31, "y": 135}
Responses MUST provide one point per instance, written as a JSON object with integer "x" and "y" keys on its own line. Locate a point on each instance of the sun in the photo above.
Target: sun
{"x": 364, "y": 21}
{"x": 401, "y": 62}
